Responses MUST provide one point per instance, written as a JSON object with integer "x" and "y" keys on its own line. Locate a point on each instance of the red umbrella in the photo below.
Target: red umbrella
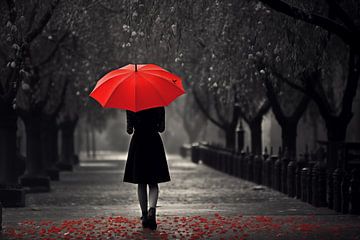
{"x": 137, "y": 87}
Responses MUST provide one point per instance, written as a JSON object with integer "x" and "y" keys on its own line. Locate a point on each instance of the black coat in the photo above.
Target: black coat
{"x": 146, "y": 161}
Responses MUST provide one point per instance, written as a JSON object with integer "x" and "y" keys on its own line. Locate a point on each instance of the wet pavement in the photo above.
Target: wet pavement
{"x": 93, "y": 202}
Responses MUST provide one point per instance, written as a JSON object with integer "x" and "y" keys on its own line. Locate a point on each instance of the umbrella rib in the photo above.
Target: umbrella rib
{"x": 135, "y": 84}
{"x": 111, "y": 78}
{"x": 116, "y": 87}
{"x": 169, "y": 81}
{"x": 156, "y": 90}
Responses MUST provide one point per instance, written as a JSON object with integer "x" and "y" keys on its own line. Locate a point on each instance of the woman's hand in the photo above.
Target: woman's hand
{"x": 161, "y": 120}
{"x": 161, "y": 127}
{"x": 130, "y": 122}
{"x": 129, "y": 130}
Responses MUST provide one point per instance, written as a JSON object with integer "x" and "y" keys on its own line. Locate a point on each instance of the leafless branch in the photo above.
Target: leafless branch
{"x": 42, "y": 23}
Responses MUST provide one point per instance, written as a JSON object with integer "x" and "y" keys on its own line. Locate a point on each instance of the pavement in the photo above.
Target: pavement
{"x": 92, "y": 202}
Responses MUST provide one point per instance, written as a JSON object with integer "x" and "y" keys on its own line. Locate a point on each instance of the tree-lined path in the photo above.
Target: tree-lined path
{"x": 92, "y": 202}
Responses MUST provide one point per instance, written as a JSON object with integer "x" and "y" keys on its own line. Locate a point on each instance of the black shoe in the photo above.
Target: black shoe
{"x": 152, "y": 218}
{"x": 144, "y": 220}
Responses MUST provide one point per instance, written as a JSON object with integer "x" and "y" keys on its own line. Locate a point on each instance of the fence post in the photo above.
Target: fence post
{"x": 345, "y": 198}
{"x": 277, "y": 174}
{"x": 257, "y": 169}
{"x": 240, "y": 137}
{"x": 242, "y": 165}
{"x": 298, "y": 180}
{"x": 237, "y": 166}
{"x": 245, "y": 163}
{"x": 299, "y": 166}
{"x": 329, "y": 188}
{"x": 309, "y": 188}
{"x": 231, "y": 163}
{"x": 355, "y": 192}
{"x": 265, "y": 167}
{"x": 202, "y": 153}
{"x": 304, "y": 184}
{"x": 284, "y": 164}
{"x": 250, "y": 166}
{"x": 221, "y": 161}
{"x": 227, "y": 162}
{"x": 218, "y": 159}
{"x": 271, "y": 170}
{"x": 314, "y": 186}
{"x": 195, "y": 152}
{"x": 337, "y": 176}
{"x": 0, "y": 218}
{"x": 291, "y": 179}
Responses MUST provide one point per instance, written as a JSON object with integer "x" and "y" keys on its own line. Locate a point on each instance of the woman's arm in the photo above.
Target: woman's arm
{"x": 161, "y": 126}
{"x": 130, "y": 122}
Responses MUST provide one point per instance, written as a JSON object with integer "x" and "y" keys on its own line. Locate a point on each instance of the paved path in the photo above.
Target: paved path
{"x": 92, "y": 202}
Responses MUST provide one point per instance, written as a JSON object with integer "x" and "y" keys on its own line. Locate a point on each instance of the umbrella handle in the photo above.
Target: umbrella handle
{"x": 135, "y": 67}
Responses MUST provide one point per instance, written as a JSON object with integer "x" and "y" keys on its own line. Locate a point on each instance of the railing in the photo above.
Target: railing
{"x": 307, "y": 178}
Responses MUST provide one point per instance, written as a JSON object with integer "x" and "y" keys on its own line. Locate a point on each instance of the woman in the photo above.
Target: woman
{"x": 146, "y": 162}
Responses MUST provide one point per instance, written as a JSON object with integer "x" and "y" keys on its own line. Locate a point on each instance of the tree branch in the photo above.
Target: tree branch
{"x": 32, "y": 15}
{"x": 111, "y": 10}
{"x": 340, "y": 30}
{"x": 54, "y": 50}
{"x": 217, "y": 109}
{"x": 10, "y": 89}
{"x": 42, "y": 23}
{"x": 343, "y": 16}
{"x": 243, "y": 115}
{"x": 265, "y": 107}
{"x": 62, "y": 97}
{"x": 319, "y": 97}
{"x": 12, "y": 10}
{"x": 351, "y": 85}
{"x": 317, "y": 91}
{"x": 275, "y": 105}
{"x": 287, "y": 81}
{"x": 277, "y": 110}
{"x": 300, "y": 109}
{"x": 205, "y": 111}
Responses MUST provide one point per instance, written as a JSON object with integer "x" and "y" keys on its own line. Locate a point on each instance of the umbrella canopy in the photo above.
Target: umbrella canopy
{"x": 137, "y": 87}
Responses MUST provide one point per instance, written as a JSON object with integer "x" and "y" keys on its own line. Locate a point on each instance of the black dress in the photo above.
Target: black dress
{"x": 146, "y": 160}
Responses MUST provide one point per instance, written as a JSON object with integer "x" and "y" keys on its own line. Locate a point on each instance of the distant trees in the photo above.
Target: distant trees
{"x": 276, "y": 62}
{"x": 340, "y": 21}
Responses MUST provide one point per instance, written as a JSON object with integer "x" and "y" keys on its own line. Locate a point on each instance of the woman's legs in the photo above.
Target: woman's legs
{"x": 142, "y": 196}
{"x": 153, "y": 197}
{"x": 153, "y": 194}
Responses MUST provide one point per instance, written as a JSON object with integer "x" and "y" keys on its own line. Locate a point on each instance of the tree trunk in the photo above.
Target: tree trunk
{"x": 288, "y": 137}
{"x": 336, "y": 129}
{"x": 11, "y": 193}
{"x": 49, "y": 143}
{"x": 34, "y": 163}
{"x": 87, "y": 136}
{"x": 35, "y": 176}
{"x": 336, "y": 133}
{"x": 67, "y": 145}
{"x": 93, "y": 143}
{"x": 230, "y": 136}
{"x": 8, "y": 161}
{"x": 256, "y": 139}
